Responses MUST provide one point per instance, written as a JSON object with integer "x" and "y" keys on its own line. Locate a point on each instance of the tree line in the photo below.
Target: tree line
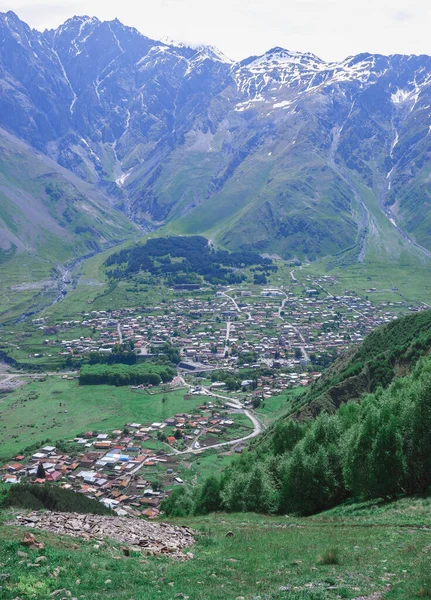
{"x": 120, "y": 374}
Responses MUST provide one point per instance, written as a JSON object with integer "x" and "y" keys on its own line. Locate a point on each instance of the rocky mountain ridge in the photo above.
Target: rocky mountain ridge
{"x": 281, "y": 152}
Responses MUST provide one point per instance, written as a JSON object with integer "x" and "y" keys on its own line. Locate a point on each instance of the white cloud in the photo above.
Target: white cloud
{"x": 331, "y": 29}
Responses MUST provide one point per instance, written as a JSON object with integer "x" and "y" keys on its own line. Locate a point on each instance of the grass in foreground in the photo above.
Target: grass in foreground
{"x": 267, "y": 558}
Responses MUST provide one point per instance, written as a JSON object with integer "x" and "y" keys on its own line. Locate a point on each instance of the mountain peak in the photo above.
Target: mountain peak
{"x": 213, "y": 53}
{"x": 280, "y": 54}
{"x": 79, "y": 19}
{"x": 10, "y": 17}
{"x": 279, "y": 57}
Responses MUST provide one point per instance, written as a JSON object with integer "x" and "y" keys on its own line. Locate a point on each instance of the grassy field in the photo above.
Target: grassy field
{"x": 191, "y": 468}
{"x": 329, "y": 557}
{"x": 412, "y": 281}
{"x": 59, "y": 409}
{"x": 277, "y": 406}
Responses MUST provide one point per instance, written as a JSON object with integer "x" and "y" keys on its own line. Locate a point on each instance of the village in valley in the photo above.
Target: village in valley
{"x": 280, "y": 327}
{"x": 240, "y": 349}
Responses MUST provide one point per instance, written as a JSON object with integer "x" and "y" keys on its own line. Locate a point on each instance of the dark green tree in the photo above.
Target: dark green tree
{"x": 387, "y": 461}
{"x": 179, "y": 503}
{"x": 40, "y": 474}
{"x": 420, "y": 446}
{"x": 258, "y": 493}
{"x": 358, "y": 444}
{"x": 208, "y": 499}
{"x": 286, "y": 436}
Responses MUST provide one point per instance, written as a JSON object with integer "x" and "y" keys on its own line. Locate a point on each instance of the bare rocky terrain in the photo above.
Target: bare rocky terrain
{"x": 137, "y": 534}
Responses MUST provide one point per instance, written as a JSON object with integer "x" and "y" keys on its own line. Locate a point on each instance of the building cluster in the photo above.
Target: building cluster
{"x": 117, "y": 468}
{"x": 279, "y": 327}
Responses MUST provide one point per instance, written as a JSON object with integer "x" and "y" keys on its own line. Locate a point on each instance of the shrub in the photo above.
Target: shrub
{"x": 54, "y": 498}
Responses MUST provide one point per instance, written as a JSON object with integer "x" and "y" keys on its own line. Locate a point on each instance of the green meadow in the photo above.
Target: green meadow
{"x": 328, "y": 557}
{"x": 59, "y": 409}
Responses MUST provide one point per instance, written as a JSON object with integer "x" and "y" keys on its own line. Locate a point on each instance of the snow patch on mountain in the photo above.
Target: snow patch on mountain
{"x": 283, "y": 104}
{"x": 214, "y": 54}
{"x": 400, "y": 96}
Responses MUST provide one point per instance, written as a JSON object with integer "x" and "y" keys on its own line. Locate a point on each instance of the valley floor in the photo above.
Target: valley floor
{"x": 361, "y": 551}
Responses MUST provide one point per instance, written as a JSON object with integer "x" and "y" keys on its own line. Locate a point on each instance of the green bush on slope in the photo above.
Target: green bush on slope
{"x": 49, "y": 497}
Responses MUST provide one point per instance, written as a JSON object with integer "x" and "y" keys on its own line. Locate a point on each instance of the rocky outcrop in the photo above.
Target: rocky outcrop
{"x": 152, "y": 538}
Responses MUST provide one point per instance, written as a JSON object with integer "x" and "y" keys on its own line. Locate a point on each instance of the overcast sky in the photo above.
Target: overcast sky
{"x": 332, "y": 29}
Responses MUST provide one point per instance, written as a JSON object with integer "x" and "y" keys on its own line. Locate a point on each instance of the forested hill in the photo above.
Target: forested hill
{"x": 180, "y": 260}
{"x": 388, "y": 352}
{"x": 374, "y": 445}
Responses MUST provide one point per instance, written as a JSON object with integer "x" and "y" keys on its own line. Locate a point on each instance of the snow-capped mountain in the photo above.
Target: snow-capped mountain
{"x": 282, "y": 152}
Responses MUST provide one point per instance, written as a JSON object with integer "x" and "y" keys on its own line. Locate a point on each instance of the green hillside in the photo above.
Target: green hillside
{"x": 368, "y": 552}
{"x": 270, "y": 203}
{"x": 388, "y": 352}
{"x": 48, "y": 218}
{"x": 376, "y": 443}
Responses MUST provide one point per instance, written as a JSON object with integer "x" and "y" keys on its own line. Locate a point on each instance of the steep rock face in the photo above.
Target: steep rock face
{"x": 281, "y": 152}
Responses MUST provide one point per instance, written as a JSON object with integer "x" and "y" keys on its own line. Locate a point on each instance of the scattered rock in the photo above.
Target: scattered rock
{"x": 30, "y": 541}
{"x": 55, "y": 573}
{"x": 154, "y": 538}
{"x": 21, "y": 554}
{"x": 40, "y": 559}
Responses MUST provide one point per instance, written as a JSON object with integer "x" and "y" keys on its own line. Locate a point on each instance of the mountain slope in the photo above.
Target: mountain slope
{"x": 43, "y": 203}
{"x": 48, "y": 218}
{"x": 388, "y": 352}
{"x": 282, "y": 152}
